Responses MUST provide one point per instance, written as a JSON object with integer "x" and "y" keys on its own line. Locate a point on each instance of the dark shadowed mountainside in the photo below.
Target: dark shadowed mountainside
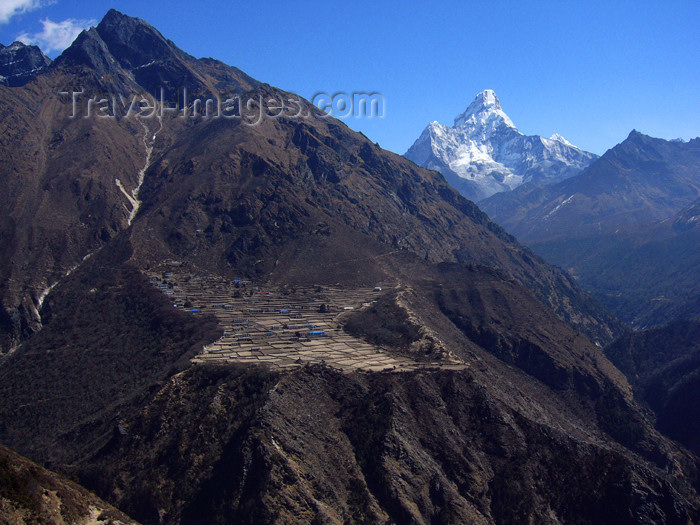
{"x": 626, "y": 228}
{"x": 664, "y": 366}
{"x": 647, "y": 274}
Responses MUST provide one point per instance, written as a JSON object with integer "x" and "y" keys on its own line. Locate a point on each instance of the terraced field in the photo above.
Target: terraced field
{"x": 282, "y": 327}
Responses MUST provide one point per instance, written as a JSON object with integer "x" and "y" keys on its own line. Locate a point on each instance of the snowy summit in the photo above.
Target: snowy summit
{"x": 484, "y": 153}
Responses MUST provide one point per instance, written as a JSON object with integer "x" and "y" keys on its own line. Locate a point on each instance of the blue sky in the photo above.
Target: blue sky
{"x": 589, "y": 72}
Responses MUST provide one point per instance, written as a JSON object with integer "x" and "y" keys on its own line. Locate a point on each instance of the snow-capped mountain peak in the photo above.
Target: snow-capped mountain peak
{"x": 486, "y": 100}
{"x": 485, "y": 109}
{"x": 484, "y": 153}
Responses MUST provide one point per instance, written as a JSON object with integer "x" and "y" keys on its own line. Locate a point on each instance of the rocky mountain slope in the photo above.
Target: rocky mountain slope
{"x": 20, "y": 63}
{"x": 483, "y": 152}
{"x": 536, "y": 425}
{"x": 32, "y": 494}
{"x": 539, "y": 426}
{"x": 295, "y": 199}
{"x": 62, "y": 202}
{"x": 426, "y": 448}
{"x": 65, "y": 203}
{"x": 126, "y": 53}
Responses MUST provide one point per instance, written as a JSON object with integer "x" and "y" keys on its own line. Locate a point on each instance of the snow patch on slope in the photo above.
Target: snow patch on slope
{"x": 558, "y": 207}
{"x": 149, "y": 141}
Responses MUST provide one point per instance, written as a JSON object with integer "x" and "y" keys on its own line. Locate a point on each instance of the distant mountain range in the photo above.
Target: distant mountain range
{"x": 484, "y": 153}
{"x": 643, "y": 179}
{"x": 648, "y": 274}
{"x": 627, "y": 227}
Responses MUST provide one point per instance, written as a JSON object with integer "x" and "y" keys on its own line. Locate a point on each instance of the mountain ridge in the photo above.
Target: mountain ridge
{"x": 640, "y": 180}
{"x": 32, "y": 494}
{"x": 647, "y": 274}
{"x": 128, "y": 44}
{"x": 91, "y": 60}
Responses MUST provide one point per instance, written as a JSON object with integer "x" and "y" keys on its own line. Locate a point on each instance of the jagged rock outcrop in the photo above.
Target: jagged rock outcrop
{"x": 20, "y": 63}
